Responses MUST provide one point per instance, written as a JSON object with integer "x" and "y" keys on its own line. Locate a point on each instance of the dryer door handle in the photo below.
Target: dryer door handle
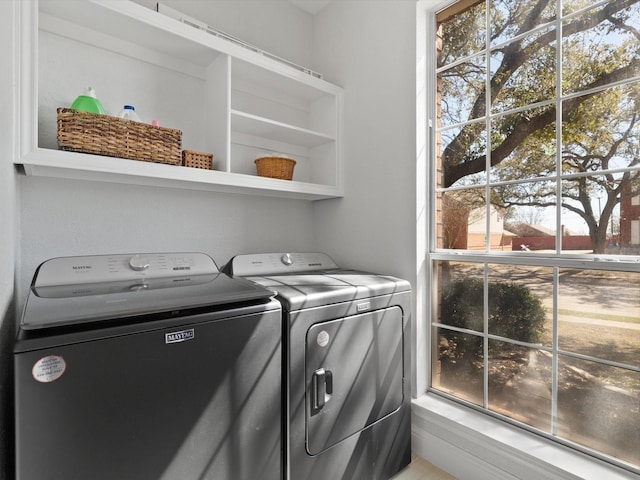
{"x": 321, "y": 389}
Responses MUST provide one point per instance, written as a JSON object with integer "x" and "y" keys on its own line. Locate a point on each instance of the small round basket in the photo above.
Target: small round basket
{"x": 275, "y": 167}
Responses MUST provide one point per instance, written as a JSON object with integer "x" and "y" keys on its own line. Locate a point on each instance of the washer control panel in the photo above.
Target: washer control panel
{"x": 274, "y": 263}
{"x": 139, "y": 262}
{"x": 115, "y": 268}
{"x": 286, "y": 259}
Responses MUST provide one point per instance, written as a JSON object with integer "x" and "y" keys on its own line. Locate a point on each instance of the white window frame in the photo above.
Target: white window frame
{"x": 635, "y": 232}
{"x": 459, "y": 439}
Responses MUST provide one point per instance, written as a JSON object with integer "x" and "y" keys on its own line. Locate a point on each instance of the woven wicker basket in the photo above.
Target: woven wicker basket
{"x": 275, "y": 167}
{"x": 117, "y": 137}
{"x": 194, "y": 159}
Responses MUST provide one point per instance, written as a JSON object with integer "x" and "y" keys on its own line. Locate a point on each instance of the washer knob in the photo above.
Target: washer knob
{"x": 286, "y": 259}
{"x": 139, "y": 263}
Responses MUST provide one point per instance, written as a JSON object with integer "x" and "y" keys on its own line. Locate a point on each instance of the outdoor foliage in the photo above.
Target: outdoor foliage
{"x": 594, "y": 142}
{"x": 514, "y": 313}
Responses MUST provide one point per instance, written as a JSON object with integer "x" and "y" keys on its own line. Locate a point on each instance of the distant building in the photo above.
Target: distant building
{"x": 537, "y": 237}
{"x": 630, "y": 221}
{"x": 532, "y": 230}
{"x": 465, "y": 228}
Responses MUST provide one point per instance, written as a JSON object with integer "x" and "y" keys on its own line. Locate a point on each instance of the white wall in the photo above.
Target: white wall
{"x": 8, "y": 247}
{"x": 67, "y": 217}
{"x": 368, "y": 47}
{"x": 272, "y": 25}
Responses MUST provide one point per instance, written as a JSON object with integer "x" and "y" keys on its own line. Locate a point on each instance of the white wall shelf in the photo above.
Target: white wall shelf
{"x": 82, "y": 166}
{"x": 263, "y": 127}
{"x": 227, "y": 100}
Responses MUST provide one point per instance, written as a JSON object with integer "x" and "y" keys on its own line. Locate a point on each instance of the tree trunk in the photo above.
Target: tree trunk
{"x": 599, "y": 236}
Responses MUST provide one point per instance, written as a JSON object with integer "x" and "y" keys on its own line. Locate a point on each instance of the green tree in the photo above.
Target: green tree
{"x": 600, "y": 130}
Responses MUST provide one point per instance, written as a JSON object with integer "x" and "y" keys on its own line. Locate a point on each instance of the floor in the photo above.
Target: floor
{"x": 420, "y": 469}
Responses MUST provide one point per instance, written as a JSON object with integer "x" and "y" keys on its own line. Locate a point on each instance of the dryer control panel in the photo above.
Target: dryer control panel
{"x": 259, "y": 264}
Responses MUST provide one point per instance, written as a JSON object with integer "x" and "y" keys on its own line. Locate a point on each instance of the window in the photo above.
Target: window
{"x": 536, "y": 307}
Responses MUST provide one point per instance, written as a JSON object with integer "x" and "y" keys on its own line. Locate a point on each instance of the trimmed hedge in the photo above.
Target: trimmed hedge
{"x": 514, "y": 313}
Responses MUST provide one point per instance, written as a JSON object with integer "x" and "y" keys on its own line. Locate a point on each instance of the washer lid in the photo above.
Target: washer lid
{"x": 169, "y": 283}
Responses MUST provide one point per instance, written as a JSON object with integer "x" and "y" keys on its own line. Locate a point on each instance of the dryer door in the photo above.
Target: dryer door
{"x": 354, "y": 375}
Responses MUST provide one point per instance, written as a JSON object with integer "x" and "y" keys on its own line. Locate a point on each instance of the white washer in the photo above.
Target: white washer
{"x": 147, "y": 367}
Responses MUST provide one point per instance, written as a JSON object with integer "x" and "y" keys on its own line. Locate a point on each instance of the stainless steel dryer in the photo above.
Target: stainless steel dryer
{"x": 347, "y": 355}
{"x": 147, "y": 367}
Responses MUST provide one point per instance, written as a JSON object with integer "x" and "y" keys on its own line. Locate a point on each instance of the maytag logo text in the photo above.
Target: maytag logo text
{"x": 181, "y": 336}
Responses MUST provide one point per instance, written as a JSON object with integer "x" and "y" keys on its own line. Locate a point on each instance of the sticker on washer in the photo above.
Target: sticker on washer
{"x": 323, "y": 338}
{"x": 49, "y": 369}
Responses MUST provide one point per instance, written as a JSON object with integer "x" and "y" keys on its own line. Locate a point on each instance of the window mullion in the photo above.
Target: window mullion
{"x": 554, "y": 357}
{"x": 487, "y": 231}
{"x": 559, "y": 128}
{"x": 485, "y": 339}
{"x": 556, "y": 270}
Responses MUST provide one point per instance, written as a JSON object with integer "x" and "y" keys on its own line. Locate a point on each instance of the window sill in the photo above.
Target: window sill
{"x": 470, "y": 445}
